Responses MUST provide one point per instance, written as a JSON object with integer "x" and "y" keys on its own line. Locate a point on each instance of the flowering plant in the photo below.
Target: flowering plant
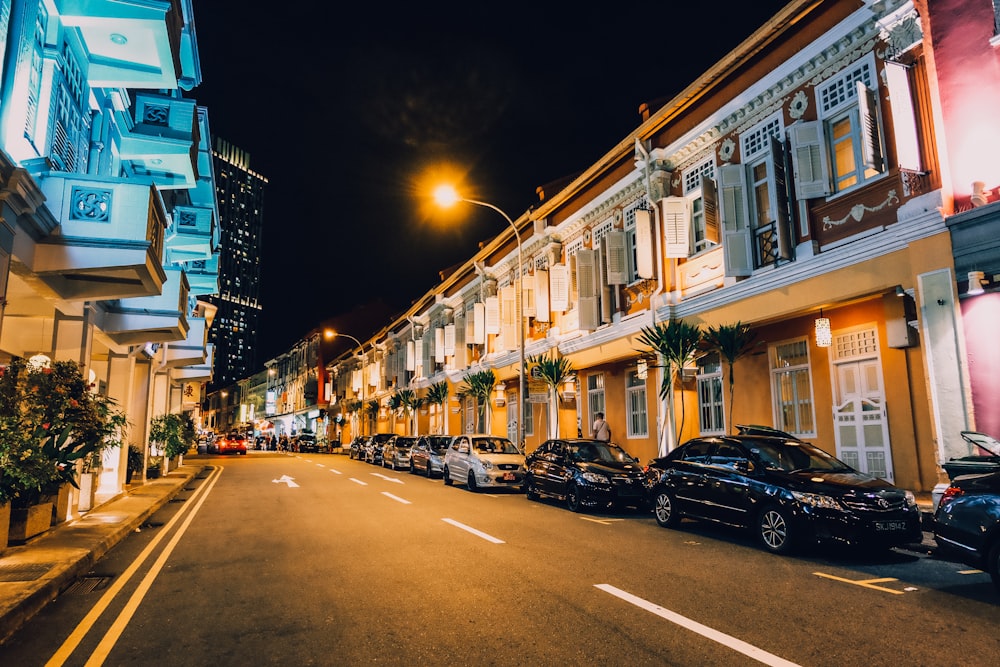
{"x": 50, "y": 420}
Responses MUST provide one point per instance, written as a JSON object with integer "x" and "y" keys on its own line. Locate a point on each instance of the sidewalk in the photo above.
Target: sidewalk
{"x": 34, "y": 574}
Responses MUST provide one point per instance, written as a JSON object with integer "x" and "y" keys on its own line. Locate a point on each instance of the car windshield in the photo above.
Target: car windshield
{"x": 495, "y": 446}
{"x": 793, "y": 456}
{"x": 599, "y": 452}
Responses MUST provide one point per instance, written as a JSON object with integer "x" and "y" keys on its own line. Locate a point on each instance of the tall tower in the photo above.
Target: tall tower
{"x": 241, "y": 212}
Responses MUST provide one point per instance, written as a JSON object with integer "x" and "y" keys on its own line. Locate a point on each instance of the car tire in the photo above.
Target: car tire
{"x": 427, "y": 470}
{"x": 665, "y": 509}
{"x": 529, "y": 490}
{"x": 573, "y": 498}
{"x": 471, "y": 482}
{"x": 774, "y": 529}
{"x": 413, "y": 468}
{"x": 993, "y": 565}
{"x": 447, "y": 477}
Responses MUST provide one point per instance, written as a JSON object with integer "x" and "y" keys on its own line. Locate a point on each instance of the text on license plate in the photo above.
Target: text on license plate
{"x": 889, "y": 526}
{"x": 508, "y": 477}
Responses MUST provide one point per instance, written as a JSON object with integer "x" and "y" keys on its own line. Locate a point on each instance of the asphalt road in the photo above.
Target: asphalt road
{"x": 316, "y": 559}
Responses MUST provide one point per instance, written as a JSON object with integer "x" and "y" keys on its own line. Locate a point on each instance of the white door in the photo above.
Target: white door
{"x": 859, "y": 417}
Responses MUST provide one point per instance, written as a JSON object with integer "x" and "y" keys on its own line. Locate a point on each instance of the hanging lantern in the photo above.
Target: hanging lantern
{"x": 824, "y": 337}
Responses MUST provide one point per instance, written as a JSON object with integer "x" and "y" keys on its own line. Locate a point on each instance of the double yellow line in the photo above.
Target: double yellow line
{"x": 100, "y": 654}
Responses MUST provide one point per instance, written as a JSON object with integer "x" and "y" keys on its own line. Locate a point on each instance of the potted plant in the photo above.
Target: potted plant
{"x": 174, "y": 434}
{"x": 134, "y": 463}
{"x": 154, "y": 467}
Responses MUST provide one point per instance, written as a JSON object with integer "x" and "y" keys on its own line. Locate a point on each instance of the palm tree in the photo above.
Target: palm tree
{"x": 554, "y": 371}
{"x": 409, "y": 403}
{"x": 371, "y": 410}
{"x": 675, "y": 343}
{"x": 732, "y": 342}
{"x": 437, "y": 394}
{"x": 480, "y": 386}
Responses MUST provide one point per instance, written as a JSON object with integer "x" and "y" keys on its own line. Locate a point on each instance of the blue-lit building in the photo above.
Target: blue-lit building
{"x": 109, "y": 229}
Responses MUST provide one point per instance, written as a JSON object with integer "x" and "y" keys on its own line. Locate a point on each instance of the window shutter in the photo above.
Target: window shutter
{"x": 783, "y": 224}
{"x": 644, "y": 246}
{"x": 586, "y": 279}
{"x": 461, "y": 359}
{"x": 478, "y": 324}
{"x": 428, "y": 369}
{"x": 439, "y": 345}
{"x": 603, "y": 289}
{"x": 710, "y": 206}
{"x": 508, "y": 316}
{"x": 735, "y": 227}
{"x": 676, "y": 226}
{"x": 411, "y": 356}
{"x": 614, "y": 248}
{"x": 492, "y": 315}
{"x": 528, "y": 294}
{"x": 559, "y": 287}
{"x": 870, "y": 145}
{"x": 449, "y": 340}
{"x": 574, "y": 287}
{"x": 470, "y": 321}
{"x": 809, "y": 164}
{"x": 541, "y": 295}
{"x": 904, "y": 123}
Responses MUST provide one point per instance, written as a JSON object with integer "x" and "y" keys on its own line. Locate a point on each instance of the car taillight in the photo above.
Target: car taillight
{"x": 950, "y": 494}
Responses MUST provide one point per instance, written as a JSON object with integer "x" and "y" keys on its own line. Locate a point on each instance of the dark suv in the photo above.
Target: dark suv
{"x": 374, "y": 447}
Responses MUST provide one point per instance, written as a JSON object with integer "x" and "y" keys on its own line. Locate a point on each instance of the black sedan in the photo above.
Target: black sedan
{"x": 585, "y": 473}
{"x": 787, "y": 491}
{"x": 967, "y": 523}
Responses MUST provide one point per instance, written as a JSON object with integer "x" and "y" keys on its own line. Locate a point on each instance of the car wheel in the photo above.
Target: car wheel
{"x": 774, "y": 530}
{"x": 413, "y": 469}
{"x": 572, "y": 498}
{"x": 472, "y": 483}
{"x": 427, "y": 470}
{"x": 665, "y": 510}
{"x": 993, "y": 565}
{"x": 447, "y": 477}
{"x": 529, "y": 490}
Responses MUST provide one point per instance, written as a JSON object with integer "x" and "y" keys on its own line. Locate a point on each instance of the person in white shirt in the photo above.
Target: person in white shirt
{"x": 601, "y": 429}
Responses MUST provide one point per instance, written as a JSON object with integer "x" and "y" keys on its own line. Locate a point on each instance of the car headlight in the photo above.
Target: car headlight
{"x": 595, "y": 478}
{"x": 816, "y": 500}
{"x": 911, "y": 500}
{"x": 487, "y": 465}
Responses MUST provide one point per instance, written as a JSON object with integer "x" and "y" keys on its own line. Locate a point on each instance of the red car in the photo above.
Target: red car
{"x": 234, "y": 443}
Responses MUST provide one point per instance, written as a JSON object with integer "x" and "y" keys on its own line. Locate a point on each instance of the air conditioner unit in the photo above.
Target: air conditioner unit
{"x": 689, "y": 372}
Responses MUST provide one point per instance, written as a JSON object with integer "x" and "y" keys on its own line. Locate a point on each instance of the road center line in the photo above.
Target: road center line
{"x": 477, "y": 533}
{"x": 758, "y": 654}
{"x": 396, "y": 498}
{"x": 358, "y": 481}
{"x": 336, "y": 472}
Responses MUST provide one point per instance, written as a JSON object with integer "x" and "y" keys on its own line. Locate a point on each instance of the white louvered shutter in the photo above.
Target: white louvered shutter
{"x": 614, "y": 245}
{"x": 589, "y": 306}
{"x": 528, "y": 294}
{"x": 461, "y": 358}
{"x": 644, "y": 245}
{"x": 411, "y": 359}
{"x": 449, "y": 340}
{"x": 492, "y": 315}
{"x": 541, "y": 279}
{"x": 735, "y": 225}
{"x": 508, "y": 317}
{"x": 710, "y": 204}
{"x": 871, "y": 145}
{"x": 479, "y": 324}
{"x": 676, "y": 226}
{"x": 559, "y": 287}
{"x": 809, "y": 165}
{"x": 904, "y": 123}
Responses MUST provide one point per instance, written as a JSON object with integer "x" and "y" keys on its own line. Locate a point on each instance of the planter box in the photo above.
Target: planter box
{"x": 28, "y": 522}
{"x": 88, "y": 491}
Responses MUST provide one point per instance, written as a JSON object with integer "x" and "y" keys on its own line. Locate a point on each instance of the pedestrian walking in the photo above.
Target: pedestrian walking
{"x": 601, "y": 429}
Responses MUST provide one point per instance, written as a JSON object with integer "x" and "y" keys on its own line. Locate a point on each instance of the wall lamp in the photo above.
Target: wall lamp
{"x": 976, "y": 281}
{"x": 980, "y": 195}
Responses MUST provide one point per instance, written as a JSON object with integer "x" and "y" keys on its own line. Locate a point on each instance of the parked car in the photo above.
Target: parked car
{"x": 357, "y": 448}
{"x": 374, "y": 447}
{"x": 967, "y": 523}
{"x": 787, "y": 491}
{"x": 585, "y": 473}
{"x": 427, "y": 454}
{"x": 986, "y": 457}
{"x": 306, "y": 443}
{"x": 396, "y": 453}
{"x": 233, "y": 443}
{"x": 482, "y": 460}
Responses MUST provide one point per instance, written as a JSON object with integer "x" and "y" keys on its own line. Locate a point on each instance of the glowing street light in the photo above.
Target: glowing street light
{"x": 446, "y": 196}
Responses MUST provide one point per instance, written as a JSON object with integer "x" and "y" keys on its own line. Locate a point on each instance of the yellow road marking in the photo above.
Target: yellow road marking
{"x": 606, "y": 522}
{"x": 970, "y": 571}
{"x": 864, "y": 583}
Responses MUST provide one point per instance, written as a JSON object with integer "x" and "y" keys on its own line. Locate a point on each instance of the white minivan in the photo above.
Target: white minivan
{"x": 482, "y": 460}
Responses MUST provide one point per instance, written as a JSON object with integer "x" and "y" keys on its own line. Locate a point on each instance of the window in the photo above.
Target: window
{"x": 635, "y": 402}
{"x": 638, "y": 241}
{"x": 699, "y": 188}
{"x": 791, "y": 386}
{"x": 711, "y": 413}
{"x": 595, "y": 396}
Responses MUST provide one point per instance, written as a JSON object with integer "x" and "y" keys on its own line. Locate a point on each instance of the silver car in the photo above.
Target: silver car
{"x": 396, "y": 453}
{"x": 483, "y": 461}
{"x": 427, "y": 456}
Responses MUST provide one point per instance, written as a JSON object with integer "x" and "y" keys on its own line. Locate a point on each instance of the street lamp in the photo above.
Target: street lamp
{"x": 330, "y": 334}
{"x": 447, "y": 196}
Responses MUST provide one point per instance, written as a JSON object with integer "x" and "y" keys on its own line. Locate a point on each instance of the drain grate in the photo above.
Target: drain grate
{"x": 89, "y": 584}
{"x": 152, "y": 524}
{"x": 23, "y": 571}
{"x": 177, "y": 500}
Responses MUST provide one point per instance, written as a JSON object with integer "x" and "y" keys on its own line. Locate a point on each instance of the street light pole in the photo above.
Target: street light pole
{"x": 446, "y": 195}
{"x": 329, "y": 333}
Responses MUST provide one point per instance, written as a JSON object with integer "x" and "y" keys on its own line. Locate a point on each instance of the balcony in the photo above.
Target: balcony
{"x": 196, "y": 373}
{"x": 203, "y": 275}
{"x": 190, "y": 351}
{"x": 151, "y": 319}
{"x": 161, "y": 141}
{"x": 128, "y": 45}
{"x": 189, "y": 236}
{"x": 109, "y": 239}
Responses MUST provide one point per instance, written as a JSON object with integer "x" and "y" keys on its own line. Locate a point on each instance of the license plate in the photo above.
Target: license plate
{"x": 508, "y": 477}
{"x": 889, "y": 526}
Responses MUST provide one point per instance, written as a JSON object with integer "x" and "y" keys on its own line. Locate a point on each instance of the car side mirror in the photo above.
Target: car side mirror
{"x": 463, "y": 449}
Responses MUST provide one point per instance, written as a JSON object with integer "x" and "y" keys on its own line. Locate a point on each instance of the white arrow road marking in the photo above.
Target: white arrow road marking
{"x": 336, "y": 472}
{"x": 358, "y": 481}
{"x": 488, "y": 538}
{"x": 746, "y": 649}
{"x": 285, "y": 479}
{"x": 387, "y": 478}
{"x": 396, "y": 498}
{"x": 320, "y": 465}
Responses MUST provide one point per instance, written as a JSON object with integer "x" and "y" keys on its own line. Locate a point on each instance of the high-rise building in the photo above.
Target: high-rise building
{"x": 240, "y": 194}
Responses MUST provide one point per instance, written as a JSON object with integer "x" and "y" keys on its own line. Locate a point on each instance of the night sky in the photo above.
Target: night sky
{"x": 348, "y": 109}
